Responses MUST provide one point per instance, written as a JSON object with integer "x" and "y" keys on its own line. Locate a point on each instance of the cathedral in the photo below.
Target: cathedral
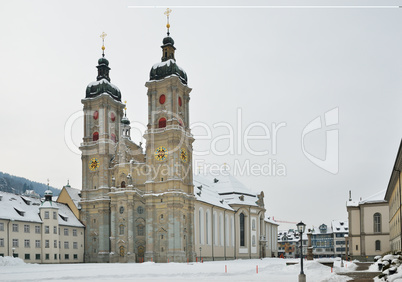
{"x": 145, "y": 204}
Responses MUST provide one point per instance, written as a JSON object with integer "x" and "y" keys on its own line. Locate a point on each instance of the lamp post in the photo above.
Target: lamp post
{"x": 200, "y": 254}
{"x": 301, "y": 227}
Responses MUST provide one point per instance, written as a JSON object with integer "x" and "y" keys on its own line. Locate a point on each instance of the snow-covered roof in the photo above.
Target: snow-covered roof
{"x": 206, "y": 193}
{"x": 226, "y": 186}
{"x": 376, "y": 198}
{"x": 339, "y": 226}
{"x": 20, "y": 208}
{"x": 74, "y": 195}
{"x": 270, "y": 220}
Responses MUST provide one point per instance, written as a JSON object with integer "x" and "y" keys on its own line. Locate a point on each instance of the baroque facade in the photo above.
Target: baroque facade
{"x": 139, "y": 204}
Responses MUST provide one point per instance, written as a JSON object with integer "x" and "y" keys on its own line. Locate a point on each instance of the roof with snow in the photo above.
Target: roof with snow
{"x": 223, "y": 187}
{"x": 74, "y": 195}
{"x": 376, "y": 198}
{"x": 339, "y": 226}
{"x": 22, "y": 208}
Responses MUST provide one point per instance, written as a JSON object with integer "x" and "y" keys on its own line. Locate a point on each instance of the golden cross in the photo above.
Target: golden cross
{"x": 125, "y": 102}
{"x": 167, "y": 12}
{"x": 103, "y": 35}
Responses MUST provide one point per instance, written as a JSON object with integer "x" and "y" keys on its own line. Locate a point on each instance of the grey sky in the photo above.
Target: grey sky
{"x": 274, "y": 65}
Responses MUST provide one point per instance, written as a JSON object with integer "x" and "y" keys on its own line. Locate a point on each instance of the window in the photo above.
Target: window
{"x": 207, "y": 227}
{"x": 27, "y": 256}
{"x": 46, "y": 215}
{"x": 47, "y": 243}
{"x": 55, "y": 256}
{"x": 95, "y": 136}
{"x": 123, "y": 184}
{"x": 378, "y": 245}
{"x": 221, "y": 229}
{"x": 377, "y": 222}
{"x": 74, "y": 232}
{"x": 162, "y": 122}
{"x": 15, "y": 227}
{"x": 37, "y": 243}
{"x": 140, "y": 210}
{"x": 15, "y": 243}
{"x": 37, "y": 256}
{"x": 46, "y": 229}
{"x": 59, "y": 244}
{"x": 26, "y": 228}
{"x": 54, "y": 229}
{"x": 55, "y": 244}
{"x": 37, "y": 229}
{"x": 54, "y": 215}
{"x": 253, "y": 240}
{"x": 75, "y": 245}
{"x": 47, "y": 256}
{"x": 75, "y": 256}
{"x": 140, "y": 229}
{"x": 121, "y": 229}
{"x": 357, "y": 247}
{"x": 242, "y": 231}
{"x": 1, "y": 226}
{"x": 65, "y": 231}
{"x": 215, "y": 229}
{"x": 201, "y": 225}
{"x": 253, "y": 224}
{"x": 1, "y": 242}
{"x": 66, "y": 256}
{"x": 27, "y": 243}
{"x": 66, "y": 245}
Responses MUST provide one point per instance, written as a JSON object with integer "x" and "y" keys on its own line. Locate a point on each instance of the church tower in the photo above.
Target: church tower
{"x": 103, "y": 111}
{"x": 169, "y": 186}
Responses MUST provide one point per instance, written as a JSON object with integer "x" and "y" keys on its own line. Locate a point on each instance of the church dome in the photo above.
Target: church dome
{"x": 102, "y": 83}
{"x": 167, "y": 68}
{"x": 125, "y": 120}
{"x": 168, "y": 40}
{"x": 103, "y": 86}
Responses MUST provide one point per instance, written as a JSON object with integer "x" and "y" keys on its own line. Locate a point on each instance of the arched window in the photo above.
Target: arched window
{"x": 378, "y": 245}
{"x": 232, "y": 230}
{"x": 95, "y": 136}
{"x": 253, "y": 241}
{"x": 162, "y": 122}
{"x": 201, "y": 225}
{"x": 242, "y": 231}
{"x": 121, "y": 229}
{"x": 123, "y": 184}
{"x": 121, "y": 251}
{"x": 253, "y": 224}
{"x": 377, "y": 222}
{"x": 227, "y": 229}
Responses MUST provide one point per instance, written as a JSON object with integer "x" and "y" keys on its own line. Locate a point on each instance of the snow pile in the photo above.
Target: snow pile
{"x": 391, "y": 267}
{"x": 5, "y": 261}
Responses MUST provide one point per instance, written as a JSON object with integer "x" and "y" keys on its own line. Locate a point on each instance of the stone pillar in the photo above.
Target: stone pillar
{"x": 130, "y": 230}
{"x": 113, "y": 251}
{"x": 310, "y": 255}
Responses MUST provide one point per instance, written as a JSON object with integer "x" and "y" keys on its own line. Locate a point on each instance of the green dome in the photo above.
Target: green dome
{"x": 103, "y": 86}
{"x": 103, "y": 61}
{"x": 125, "y": 120}
{"x": 167, "y": 68}
{"x": 168, "y": 41}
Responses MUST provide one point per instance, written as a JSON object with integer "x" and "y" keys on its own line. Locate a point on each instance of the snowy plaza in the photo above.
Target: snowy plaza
{"x": 269, "y": 269}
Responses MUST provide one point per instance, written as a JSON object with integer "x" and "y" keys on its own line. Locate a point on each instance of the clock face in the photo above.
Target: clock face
{"x": 94, "y": 164}
{"x": 183, "y": 155}
{"x": 161, "y": 153}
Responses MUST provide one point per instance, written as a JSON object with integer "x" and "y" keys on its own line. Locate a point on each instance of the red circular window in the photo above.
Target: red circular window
{"x": 96, "y": 115}
{"x": 112, "y": 117}
{"x": 162, "y": 99}
{"x": 95, "y": 136}
{"x": 162, "y": 123}
{"x": 180, "y": 101}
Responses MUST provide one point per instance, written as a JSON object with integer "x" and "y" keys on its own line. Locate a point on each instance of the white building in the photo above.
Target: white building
{"x": 39, "y": 231}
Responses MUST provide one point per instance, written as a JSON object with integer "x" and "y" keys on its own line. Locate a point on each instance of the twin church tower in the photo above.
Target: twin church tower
{"x": 137, "y": 204}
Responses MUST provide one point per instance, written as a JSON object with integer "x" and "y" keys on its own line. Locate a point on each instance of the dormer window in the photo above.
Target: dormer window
{"x": 65, "y": 218}
{"x": 20, "y": 212}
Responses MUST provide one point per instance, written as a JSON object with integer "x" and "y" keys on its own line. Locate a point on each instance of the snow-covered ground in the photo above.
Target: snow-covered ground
{"x": 269, "y": 269}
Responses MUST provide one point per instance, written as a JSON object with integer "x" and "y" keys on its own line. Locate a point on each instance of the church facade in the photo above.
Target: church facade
{"x": 139, "y": 204}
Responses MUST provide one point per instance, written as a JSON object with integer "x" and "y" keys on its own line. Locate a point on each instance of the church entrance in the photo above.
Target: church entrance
{"x": 140, "y": 253}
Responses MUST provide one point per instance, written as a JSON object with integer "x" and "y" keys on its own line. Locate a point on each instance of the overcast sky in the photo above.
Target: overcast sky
{"x": 267, "y": 67}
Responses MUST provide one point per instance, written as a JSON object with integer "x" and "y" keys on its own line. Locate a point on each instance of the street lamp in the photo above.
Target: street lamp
{"x": 200, "y": 254}
{"x": 301, "y": 227}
